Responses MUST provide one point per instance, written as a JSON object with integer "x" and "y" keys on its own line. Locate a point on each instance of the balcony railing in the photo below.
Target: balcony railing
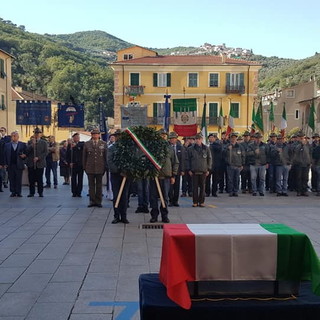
{"x": 134, "y": 90}
{"x": 235, "y": 89}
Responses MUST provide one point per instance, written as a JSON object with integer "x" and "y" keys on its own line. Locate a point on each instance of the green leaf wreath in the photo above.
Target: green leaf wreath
{"x": 130, "y": 159}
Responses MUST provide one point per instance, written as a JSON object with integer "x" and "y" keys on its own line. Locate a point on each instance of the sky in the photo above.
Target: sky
{"x": 282, "y": 28}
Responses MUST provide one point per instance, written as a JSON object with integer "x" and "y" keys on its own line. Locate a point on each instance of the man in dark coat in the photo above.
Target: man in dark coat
{"x": 37, "y": 151}
{"x": 74, "y": 159}
{"x": 14, "y": 156}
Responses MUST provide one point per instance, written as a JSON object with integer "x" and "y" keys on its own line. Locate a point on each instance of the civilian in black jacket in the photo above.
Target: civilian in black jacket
{"x": 14, "y": 154}
{"x": 74, "y": 159}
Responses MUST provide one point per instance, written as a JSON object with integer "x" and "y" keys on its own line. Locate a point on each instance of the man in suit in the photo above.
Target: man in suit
{"x": 95, "y": 165}
{"x": 14, "y": 155}
{"x": 74, "y": 159}
{"x": 4, "y": 138}
{"x": 37, "y": 151}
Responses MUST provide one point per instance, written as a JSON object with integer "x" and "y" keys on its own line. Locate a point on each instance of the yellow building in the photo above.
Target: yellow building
{"x": 7, "y": 119}
{"x": 8, "y": 98}
{"x": 144, "y": 76}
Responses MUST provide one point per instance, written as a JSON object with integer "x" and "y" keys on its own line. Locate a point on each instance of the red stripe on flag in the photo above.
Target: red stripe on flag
{"x": 176, "y": 269}
{"x": 185, "y": 130}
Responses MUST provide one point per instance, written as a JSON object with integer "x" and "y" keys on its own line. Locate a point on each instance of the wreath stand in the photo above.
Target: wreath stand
{"x": 153, "y": 161}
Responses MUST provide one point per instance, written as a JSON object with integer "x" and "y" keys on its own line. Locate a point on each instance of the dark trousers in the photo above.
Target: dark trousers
{"x": 209, "y": 183}
{"x": 217, "y": 177}
{"x": 95, "y": 188}
{"x": 314, "y": 178}
{"x": 233, "y": 179}
{"x": 174, "y": 191}
{"x": 143, "y": 193}
{"x": 51, "y": 166}
{"x": 292, "y": 179}
{"x": 76, "y": 180}
{"x": 15, "y": 179}
{"x": 186, "y": 183}
{"x": 121, "y": 211}
{"x": 154, "y": 195}
{"x": 302, "y": 177}
{"x": 245, "y": 178}
{"x": 35, "y": 175}
{"x": 198, "y": 185}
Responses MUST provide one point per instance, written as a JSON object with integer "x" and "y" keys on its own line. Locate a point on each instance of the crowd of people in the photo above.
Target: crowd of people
{"x": 231, "y": 164}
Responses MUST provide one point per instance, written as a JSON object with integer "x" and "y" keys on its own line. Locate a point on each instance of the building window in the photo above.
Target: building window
{"x": 2, "y": 72}
{"x": 213, "y": 80}
{"x": 162, "y": 79}
{"x": 127, "y": 56}
{"x": 290, "y": 93}
{"x": 192, "y": 80}
{"x": 213, "y": 113}
{"x": 297, "y": 114}
{"x": 2, "y": 104}
{"x": 235, "y": 83}
{"x": 235, "y": 109}
{"x": 134, "y": 79}
{"x": 159, "y": 112}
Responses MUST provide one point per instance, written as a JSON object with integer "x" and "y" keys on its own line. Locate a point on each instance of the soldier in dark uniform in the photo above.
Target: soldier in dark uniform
{"x": 95, "y": 165}
{"x": 302, "y": 158}
{"x": 258, "y": 157}
{"x": 235, "y": 159}
{"x": 217, "y": 164}
{"x": 74, "y": 159}
{"x": 314, "y": 173}
{"x": 186, "y": 178}
{"x": 120, "y": 213}
{"x": 180, "y": 153}
{"x": 292, "y": 173}
{"x": 316, "y": 165}
{"x": 245, "y": 172}
{"x": 199, "y": 165}
{"x": 166, "y": 177}
{"x": 36, "y": 152}
{"x": 271, "y": 173}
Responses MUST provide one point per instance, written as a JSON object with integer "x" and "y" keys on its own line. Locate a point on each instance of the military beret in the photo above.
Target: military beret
{"x": 37, "y": 130}
{"x": 198, "y": 136}
{"x": 272, "y": 134}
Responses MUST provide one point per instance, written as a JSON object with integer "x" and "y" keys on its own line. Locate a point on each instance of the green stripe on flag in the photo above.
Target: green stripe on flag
{"x": 184, "y": 105}
{"x": 297, "y": 259}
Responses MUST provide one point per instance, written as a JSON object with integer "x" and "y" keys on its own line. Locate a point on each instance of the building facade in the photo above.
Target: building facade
{"x": 298, "y": 100}
{"x": 144, "y": 77}
{"x": 7, "y": 119}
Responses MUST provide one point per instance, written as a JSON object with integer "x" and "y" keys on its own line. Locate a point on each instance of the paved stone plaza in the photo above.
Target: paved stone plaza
{"x": 60, "y": 260}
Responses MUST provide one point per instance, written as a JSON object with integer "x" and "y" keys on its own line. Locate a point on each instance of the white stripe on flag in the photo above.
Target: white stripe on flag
{"x": 234, "y": 252}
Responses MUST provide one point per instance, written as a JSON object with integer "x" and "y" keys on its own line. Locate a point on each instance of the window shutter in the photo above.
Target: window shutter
{"x": 3, "y": 107}
{"x": 2, "y": 68}
{"x": 155, "y": 79}
{"x": 155, "y": 109}
{"x": 213, "y": 109}
{"x": 241, "y": 79}
{"x": 168, "y": 79}
{"x": 228, "y": 79}
{"x": 134, "y": 79}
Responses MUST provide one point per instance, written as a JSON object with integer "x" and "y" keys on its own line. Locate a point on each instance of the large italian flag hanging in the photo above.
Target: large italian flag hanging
{"x": 185, "y": 117}
{"x": 229, "y": 252}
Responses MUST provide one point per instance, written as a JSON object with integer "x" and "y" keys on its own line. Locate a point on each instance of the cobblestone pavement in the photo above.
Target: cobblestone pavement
{"x": 62, "y": 260}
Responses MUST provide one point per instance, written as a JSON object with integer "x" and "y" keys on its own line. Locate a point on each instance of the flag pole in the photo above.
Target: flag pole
{"x": 156, "y": 178}
{"x": 123, "y": 182}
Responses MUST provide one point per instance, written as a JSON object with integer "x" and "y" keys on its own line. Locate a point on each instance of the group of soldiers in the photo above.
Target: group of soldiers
{"x": 229, "y": 164}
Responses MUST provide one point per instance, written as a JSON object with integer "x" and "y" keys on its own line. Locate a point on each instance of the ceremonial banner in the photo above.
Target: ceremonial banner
{"x": 133, "y": 115}
{"x": 185, "y": 117}
{"x": 33, "y": 112}
{"x": 234, "y": 252}
{"x": 70, "y": 116}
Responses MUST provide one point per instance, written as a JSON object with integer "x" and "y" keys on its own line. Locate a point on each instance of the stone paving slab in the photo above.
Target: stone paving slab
{"x": 62, "y": 260}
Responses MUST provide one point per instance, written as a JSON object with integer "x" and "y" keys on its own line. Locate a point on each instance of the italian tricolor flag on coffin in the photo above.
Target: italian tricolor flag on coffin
{"x": 195, "y": 252}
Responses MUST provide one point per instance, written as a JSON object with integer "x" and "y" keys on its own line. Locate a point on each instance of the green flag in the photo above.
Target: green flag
{"x": 271, "y": 114}
{"x": 204, "y": 123}
{"x": 311, "y": 121}
{"x": 258, "y": 120}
